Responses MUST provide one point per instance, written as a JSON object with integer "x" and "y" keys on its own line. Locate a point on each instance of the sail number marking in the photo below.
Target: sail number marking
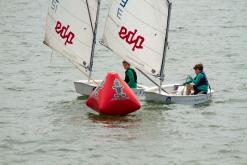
{"x": 123, "y": 4}
{"x": 64, "y": 34}
{"x": 130, "y": 38}
{"x": 54, "y": 5}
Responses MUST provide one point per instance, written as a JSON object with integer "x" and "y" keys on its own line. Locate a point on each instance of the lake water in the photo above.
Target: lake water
{"x": 44, "y": 122}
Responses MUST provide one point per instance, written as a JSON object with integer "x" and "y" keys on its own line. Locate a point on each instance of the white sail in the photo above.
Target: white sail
{"x": 136, "y": 31}
{"x": 69, "y": 30}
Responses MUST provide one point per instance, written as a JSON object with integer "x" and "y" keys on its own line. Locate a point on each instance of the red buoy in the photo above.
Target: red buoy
{"x": 113, "y": 97}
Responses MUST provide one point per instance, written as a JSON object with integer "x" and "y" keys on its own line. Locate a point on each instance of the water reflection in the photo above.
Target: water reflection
{"x": 129, "y": 121}
{"x": 83, "y": 97}
{"x": 157, "y": 107}
{"x": 203, "y": 105}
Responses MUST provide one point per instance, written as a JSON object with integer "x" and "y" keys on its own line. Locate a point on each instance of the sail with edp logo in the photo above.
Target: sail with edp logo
{"x": 139, "y": 27}
{"x": 137, "y": 31}
{"x": 71, "y": 31}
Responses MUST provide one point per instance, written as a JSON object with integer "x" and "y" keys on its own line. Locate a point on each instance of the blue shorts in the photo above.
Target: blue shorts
{"x": 197, "y": 91}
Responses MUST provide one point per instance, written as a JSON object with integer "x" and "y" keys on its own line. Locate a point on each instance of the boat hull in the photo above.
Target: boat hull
{"x": 174, "y": 96}
{"x": 85, "y": 87}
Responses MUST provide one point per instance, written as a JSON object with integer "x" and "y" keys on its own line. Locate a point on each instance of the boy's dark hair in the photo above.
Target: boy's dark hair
{"x": 198, "y": 66}
{"x": 125, "y": 62}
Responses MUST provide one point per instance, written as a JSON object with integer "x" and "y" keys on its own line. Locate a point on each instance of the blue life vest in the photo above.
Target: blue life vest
{"x": 203, "y": 81}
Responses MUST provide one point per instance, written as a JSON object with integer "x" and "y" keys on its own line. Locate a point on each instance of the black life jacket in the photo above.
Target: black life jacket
{"x": 203, "y": 81}
{"x": 126, "y": 76}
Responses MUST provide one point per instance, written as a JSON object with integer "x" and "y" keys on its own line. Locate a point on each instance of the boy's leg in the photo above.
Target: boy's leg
{"x": 189, "y": 89}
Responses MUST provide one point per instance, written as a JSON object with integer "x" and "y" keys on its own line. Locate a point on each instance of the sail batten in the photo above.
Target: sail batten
{"x": 76, "y": 16}
{"x": 69, "y": 32}
{"x": 128, "y": 13}
{"x": 136, "y": 31}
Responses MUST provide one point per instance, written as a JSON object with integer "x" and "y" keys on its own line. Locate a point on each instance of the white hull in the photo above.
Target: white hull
{"x": 175, "y": 96}
{"x": 85, "y": 88}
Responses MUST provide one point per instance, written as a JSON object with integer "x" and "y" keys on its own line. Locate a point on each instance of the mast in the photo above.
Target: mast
{"x": 162, "y": 76}
{"x": 94, "y": 36}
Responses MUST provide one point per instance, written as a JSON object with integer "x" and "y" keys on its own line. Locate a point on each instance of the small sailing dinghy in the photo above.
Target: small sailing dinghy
{"x": 71, "y": 30}
{"x": 137, "y": 31}
{"x": 175, "y": 94}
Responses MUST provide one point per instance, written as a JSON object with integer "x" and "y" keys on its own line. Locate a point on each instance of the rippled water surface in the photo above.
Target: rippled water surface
{"x": 43, "y": 121}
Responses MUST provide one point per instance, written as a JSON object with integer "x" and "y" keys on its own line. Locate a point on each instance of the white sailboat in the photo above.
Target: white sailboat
{"x": 71, "y": 29}
{"x": 137, "y": 31}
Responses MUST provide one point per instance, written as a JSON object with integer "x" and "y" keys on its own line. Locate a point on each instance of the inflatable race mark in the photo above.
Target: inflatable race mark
{"x": 113, "y": 97}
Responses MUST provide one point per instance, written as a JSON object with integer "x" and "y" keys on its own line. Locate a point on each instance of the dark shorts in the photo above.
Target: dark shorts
{"x": 197, "y": 91}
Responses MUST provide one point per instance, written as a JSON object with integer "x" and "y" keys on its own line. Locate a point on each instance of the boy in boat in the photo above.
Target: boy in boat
{"x": 199, "y": 83}
{"x": 130, "y": 75}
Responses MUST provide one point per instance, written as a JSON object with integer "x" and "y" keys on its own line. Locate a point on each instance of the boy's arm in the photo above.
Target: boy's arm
{"x": 197, "y": 79}
{"x": 188, "y": 80}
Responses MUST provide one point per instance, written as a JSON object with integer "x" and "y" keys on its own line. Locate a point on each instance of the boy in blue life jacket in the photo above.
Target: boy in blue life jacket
{"x": 130, "y": 75}
{"x": 199, "y": 83}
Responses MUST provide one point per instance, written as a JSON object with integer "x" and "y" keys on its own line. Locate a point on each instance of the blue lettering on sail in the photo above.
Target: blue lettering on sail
{"x": 123, "y": 3}
{"x": 120, "y": 10}
{"x": 54, "y": 5}
{"x": 119, "y": 13}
